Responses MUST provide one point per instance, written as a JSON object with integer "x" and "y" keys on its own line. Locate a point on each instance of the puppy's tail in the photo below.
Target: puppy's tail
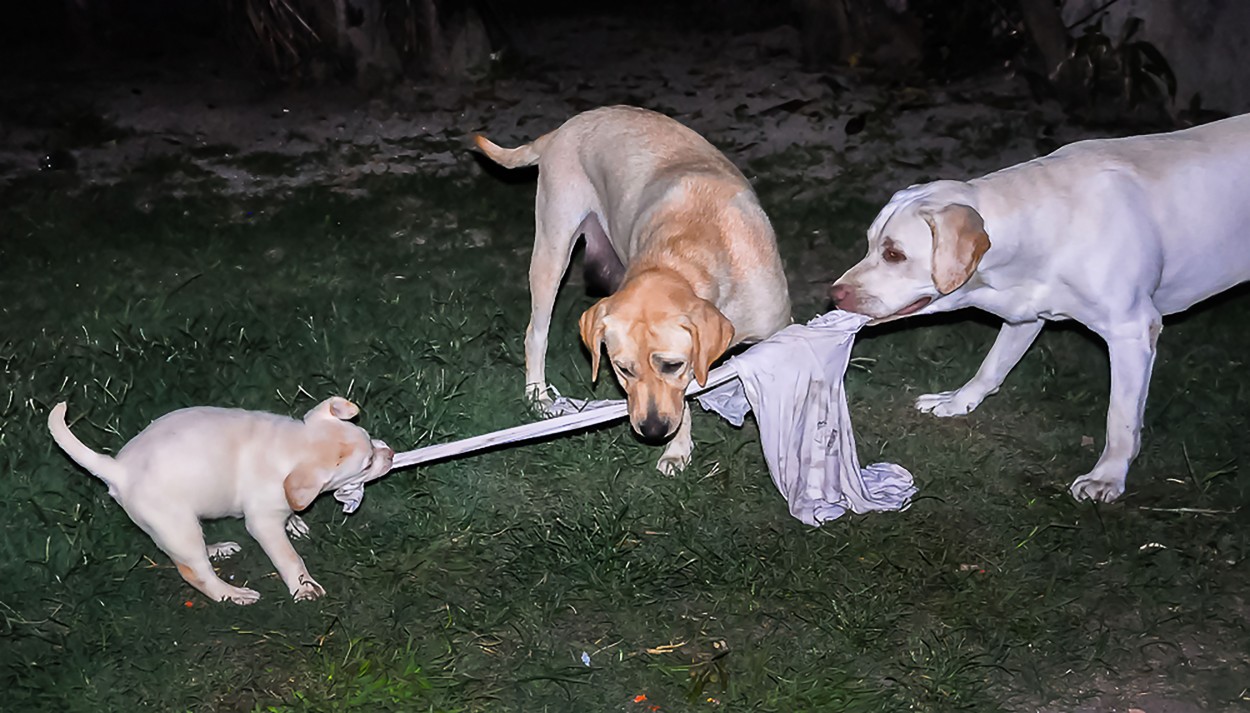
{"x": 526, "y": 155}
{"x": 98, "y": 464}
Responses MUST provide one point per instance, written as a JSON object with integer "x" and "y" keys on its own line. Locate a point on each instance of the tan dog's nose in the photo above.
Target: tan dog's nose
{"x": 653, "y": 427}
{"x": 843, "y": 297}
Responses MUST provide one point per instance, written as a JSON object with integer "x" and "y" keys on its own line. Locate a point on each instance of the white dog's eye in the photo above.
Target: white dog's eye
{"x": 892, "y": 254}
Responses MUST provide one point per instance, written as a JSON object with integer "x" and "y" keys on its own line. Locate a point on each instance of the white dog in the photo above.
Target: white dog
{"x": 205, "y": 462}
{"x": 1113, "y": 233}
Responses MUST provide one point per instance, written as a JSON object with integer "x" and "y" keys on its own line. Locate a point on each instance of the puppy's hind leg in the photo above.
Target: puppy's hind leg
{"x": 559, "y": 208}
{"x": 184, "y": 544}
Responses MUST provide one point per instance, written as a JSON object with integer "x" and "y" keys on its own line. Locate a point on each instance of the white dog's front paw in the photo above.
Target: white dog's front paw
{"x": 1100, "y": 485}
{"x": 296, "y": 526}
{"x": 949, "y": 403}
{"x": 222, "y": 550}
{"x": 240, "y": 595}
{"x": 308, "y": 589}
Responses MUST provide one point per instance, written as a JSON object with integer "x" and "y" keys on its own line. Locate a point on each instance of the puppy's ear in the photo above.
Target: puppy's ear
{"x": 592, "y": 328}
{"x": 959, "y": 241}
{"x": 335, "y": 407}
{"x": 304, "y": 484}
{"x": 710, "y": 335}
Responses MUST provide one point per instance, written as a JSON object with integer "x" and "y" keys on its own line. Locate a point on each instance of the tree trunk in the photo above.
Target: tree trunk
{"x": 1045, "y": 26}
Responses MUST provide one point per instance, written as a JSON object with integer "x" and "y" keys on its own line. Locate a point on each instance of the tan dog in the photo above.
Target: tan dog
{"x": 675, "y": 231}
{"x": 206, "y": 462}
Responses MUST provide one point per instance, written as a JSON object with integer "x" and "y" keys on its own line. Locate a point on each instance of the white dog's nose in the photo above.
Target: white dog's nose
{"x": 843, "y": 297}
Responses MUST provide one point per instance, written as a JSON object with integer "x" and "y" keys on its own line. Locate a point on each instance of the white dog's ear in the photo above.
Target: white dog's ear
{"x": 592, "y": 328}
{"x": 710, "y": 335}
{"x": 959, "y": 241}
{"x": 335, "y": 407}
{"x": 304, "y": 484}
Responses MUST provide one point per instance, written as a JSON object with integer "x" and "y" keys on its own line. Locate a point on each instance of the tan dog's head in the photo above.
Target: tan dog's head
{"x": 337, "y": 453}
{"x": 918, "y": 252}
{"x": 658, "y": 337}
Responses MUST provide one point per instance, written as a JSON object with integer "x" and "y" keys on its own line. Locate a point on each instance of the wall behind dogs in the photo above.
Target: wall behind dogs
{"x": 1207, "y": 43}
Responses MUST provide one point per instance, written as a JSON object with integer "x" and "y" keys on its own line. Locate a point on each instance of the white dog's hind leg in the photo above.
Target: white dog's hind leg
{"x": 676, "y": 454}
{"x": 1009, "y": 347}
{"x": 271, "y": 535}
{"x": 1132, "y": 360}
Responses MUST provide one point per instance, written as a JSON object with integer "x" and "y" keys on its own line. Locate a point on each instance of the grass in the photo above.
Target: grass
{"x": 476, "y": 585}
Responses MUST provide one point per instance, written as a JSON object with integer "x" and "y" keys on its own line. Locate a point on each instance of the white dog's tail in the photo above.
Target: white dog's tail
{"x": 526, "y": 155}
{"x": 99, "y": 465}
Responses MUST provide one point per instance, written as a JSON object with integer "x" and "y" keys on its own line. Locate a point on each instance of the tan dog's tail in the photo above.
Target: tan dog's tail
{"x": 526, "y": 155}
{"x": 98, "y": 464}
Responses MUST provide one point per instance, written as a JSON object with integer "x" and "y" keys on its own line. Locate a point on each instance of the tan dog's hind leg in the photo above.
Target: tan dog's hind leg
{"x": 556, "y": 224}
{"x": 676, "y": 454}
{"x": 271, "y": 534}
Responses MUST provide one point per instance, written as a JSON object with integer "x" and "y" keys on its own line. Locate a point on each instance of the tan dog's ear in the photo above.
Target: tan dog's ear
{"x": 303, "y": 485}
{"x": 592, "y": 328}
{"x": 335, "y": 407}
{"x": 710, "y": 335}
{"x": 959, "y": 241}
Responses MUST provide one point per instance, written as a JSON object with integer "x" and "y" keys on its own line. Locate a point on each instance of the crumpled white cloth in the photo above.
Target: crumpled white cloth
{"x": 793, "y": 383}
{"x": 353, "y": 491}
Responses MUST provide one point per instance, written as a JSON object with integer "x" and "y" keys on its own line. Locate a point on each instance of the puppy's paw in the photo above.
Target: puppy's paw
{"x": 949, "y": 403}
{"x": 222, "y": 550}
{"x": 1099, "y": 486}
{"x": 240, "y": 595}
{"x": 308, "y": 589}
{"x": 296, "y": 526}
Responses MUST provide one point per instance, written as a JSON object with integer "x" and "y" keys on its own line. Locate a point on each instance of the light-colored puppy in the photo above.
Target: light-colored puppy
{"x": 203, "y": 462}
{"x": 678, "y": 237}
{"x": 1112, "y": 233}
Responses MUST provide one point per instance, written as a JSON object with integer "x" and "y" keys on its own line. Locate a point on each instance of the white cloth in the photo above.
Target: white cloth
{"x": 793, "y": 383}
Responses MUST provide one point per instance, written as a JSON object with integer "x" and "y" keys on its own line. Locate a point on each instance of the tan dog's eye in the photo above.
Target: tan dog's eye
{"x": 893, "y": 255}
{"x": 625, "y": 372}
{"x": 670, "y": 368}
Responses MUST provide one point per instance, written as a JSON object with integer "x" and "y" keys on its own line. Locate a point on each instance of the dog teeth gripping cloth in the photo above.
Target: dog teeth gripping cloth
{"x": 792, "y": 381}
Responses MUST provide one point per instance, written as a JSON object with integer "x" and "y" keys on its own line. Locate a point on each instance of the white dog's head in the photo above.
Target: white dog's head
{"x": 337, "y": 452}
{"x": 919, "y": 250}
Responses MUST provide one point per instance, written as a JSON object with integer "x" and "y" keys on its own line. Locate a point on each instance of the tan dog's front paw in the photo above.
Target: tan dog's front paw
{"x": 673, "y": 461}
{"x": 308, "y": 589}
{"x": 296, "y": 526}
{"x": 240, "y": 595}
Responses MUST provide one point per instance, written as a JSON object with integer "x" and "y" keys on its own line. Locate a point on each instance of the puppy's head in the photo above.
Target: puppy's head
{"x": 918, "y": 252}
{"x": 657, "y": 341}
{"x": 337, "y": 452}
